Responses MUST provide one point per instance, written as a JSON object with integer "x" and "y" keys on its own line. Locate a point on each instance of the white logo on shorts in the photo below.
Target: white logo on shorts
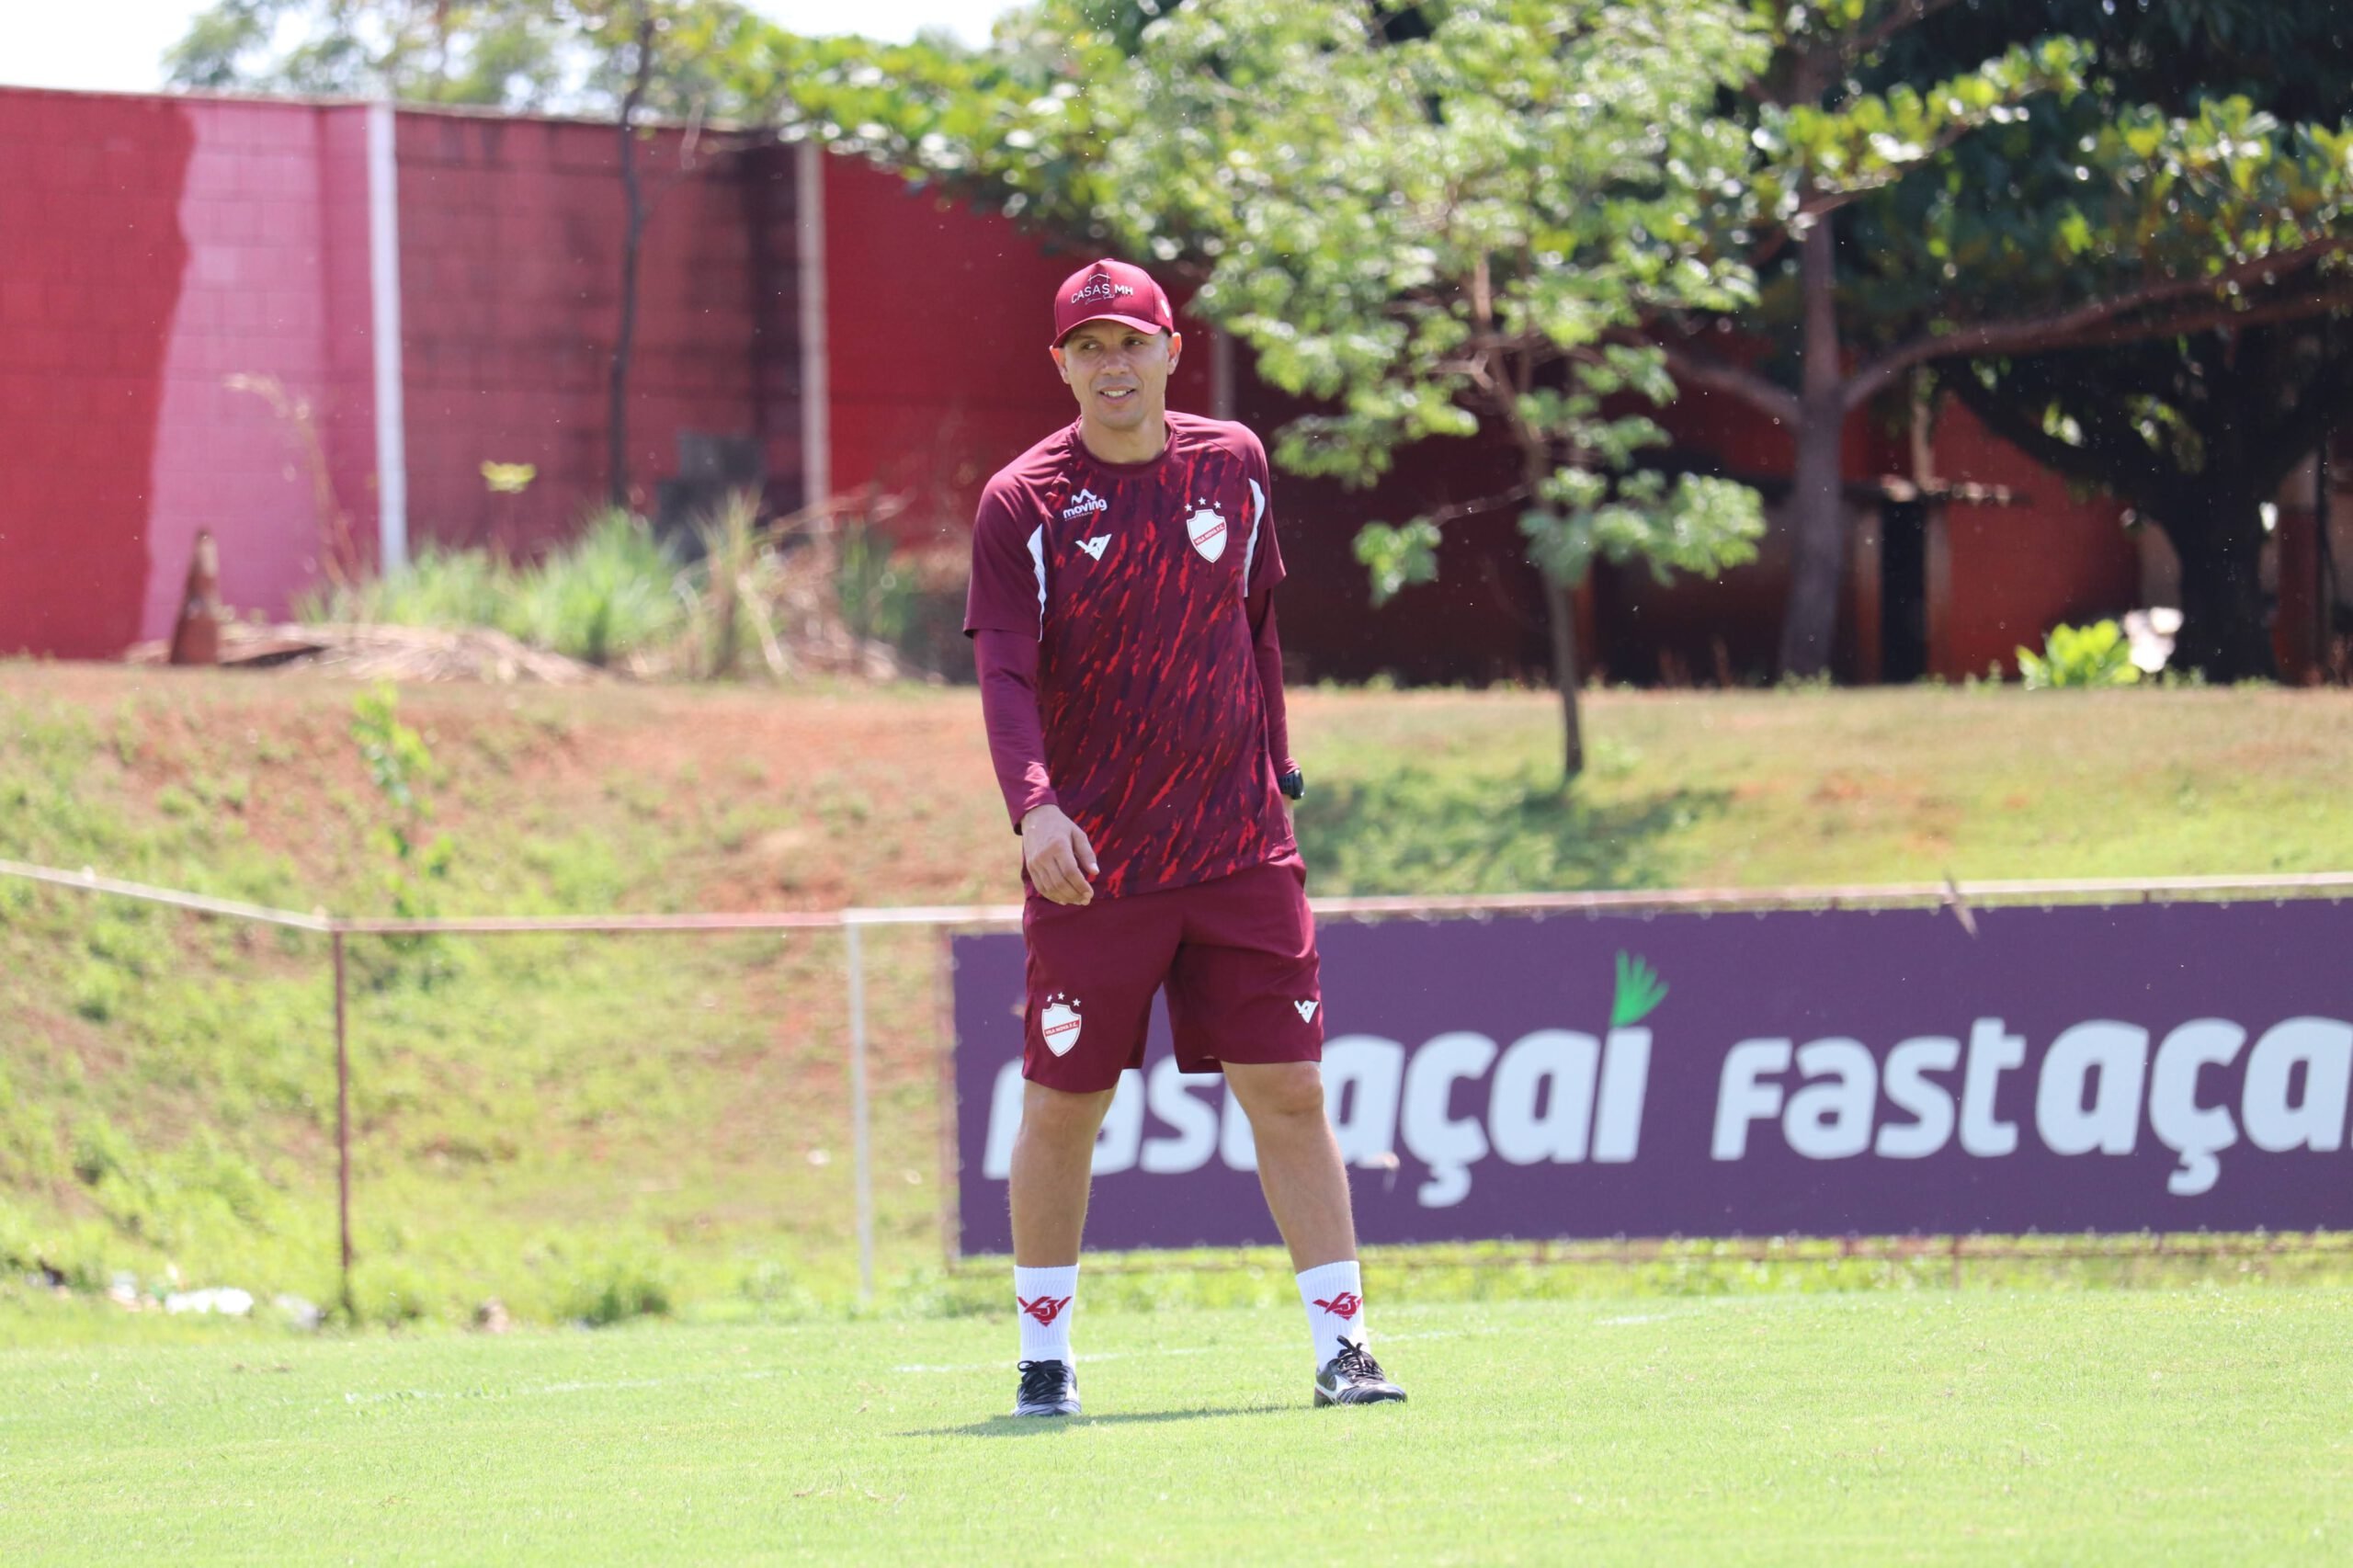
{"x": 1059, "y": 1024}
{"x": 1306, "y": 1011}
{"x": 1206, "y": 528}
{"x": 1093, "y": 547}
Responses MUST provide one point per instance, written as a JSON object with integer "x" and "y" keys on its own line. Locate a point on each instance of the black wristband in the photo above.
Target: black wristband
{"x": 1293, "y": 784}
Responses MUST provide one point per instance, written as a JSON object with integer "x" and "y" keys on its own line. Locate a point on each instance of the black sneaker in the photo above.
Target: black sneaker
{"x": 1353, "y": 1377}
{"x": 1050, "y": 1388}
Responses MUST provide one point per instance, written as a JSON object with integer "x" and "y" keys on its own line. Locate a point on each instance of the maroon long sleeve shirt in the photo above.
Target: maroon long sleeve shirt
{"x": 1008, "y": 662}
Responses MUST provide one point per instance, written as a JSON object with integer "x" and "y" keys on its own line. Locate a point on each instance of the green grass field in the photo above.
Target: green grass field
{"x": 2205, "y": 1426}
{"x": 593, "y": 1128}
{"x": 629, "y": 1131}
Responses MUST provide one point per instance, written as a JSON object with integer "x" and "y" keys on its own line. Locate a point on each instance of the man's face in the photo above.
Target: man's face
{"x": 1118, "y": 374}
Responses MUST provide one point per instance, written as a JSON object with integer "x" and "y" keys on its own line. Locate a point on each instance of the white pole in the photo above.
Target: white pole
{"x": 384, "y": 296}
{"x": 861, "y": 1158}
{"x": 816, "y": 390}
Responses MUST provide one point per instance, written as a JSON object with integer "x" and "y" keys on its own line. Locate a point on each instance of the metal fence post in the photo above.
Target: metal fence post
{"x": 861, "y": 1158}
{"x": 343, "y": 1130}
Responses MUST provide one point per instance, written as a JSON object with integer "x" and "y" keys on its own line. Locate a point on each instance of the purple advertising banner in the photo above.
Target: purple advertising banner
{"x": 2166, "y": 1067}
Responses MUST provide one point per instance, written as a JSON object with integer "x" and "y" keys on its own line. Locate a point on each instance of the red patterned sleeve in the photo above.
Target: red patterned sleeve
{"x": 1269, "y": 652}
{"x": 1009, "y": 589}
{"x": 1266, "y": 571}
{"x": 1008, "y": 662}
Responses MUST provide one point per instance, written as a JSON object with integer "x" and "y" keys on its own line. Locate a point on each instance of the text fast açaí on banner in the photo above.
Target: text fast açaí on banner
{"x": 2105, "y": 1068}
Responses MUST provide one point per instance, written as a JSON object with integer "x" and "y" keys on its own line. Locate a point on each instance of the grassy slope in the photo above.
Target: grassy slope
{"x": 583, "y": 1127}
{"x": 2177, "y": 1427}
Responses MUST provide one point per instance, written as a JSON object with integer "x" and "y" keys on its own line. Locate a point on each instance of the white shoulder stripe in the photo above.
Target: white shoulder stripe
{"x": 1250, "y": 555}
{"x": 1037, "y": 564}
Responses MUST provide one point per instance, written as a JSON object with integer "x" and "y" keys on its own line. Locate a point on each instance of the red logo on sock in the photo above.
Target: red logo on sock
{"x": 1346, "y": 1304}
{"x": 1045, "y": 1309}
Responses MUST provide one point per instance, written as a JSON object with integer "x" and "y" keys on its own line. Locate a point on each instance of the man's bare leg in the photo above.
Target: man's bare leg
{"x": 1298, "y": 1159}
{"x": 1307, "y": 1188}
{"x": 1051, "y": 1157}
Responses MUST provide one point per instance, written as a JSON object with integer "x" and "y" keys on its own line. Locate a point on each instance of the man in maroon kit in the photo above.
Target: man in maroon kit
{"x": 1123, "y": 619}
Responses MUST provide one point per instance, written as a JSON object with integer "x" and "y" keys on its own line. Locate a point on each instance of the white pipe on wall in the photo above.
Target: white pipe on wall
{"x": 816, "y": 424}
{"x": 384, "y": 297}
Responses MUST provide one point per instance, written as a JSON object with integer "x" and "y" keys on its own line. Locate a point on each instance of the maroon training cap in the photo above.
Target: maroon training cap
{"x": 1111, "y": 290}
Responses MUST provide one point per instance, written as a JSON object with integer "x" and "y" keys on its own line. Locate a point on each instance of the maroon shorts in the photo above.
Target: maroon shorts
{"x": 1236, "y": 954}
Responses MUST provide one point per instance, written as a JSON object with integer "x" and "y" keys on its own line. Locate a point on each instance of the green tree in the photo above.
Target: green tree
{"x": 1900, "y": 221}
{"x": 1437, "y": 232}
{"x": 526, "y": 56}
{"x": 1021, "y": 128}
{"x": 1435, "y": 220}
{"x": 2195, "y": 430}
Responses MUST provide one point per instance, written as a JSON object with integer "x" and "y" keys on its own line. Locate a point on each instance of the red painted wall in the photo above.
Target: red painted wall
{"x": 150, "y": 251}
{"x": 938, "y": 322}
{"x": 511, "y": 240}
{"x": 91, "y": 258}
{"x": 274, "y": 297}
{"x": 2012, "y": 572}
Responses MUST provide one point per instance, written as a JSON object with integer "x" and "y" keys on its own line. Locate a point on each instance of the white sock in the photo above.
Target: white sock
{"x": 1046, "y": 1297}
{"x": 1334, "y": 1296}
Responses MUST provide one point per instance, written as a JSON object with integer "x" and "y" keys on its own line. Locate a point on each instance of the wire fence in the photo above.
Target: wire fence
{"x": 857, "y": 928}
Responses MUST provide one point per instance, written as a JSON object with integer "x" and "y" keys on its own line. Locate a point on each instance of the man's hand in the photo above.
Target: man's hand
{"x": 1058, "y": 855}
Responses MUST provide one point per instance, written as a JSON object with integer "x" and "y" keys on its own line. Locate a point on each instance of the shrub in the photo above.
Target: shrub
{"x": 616, "y": 1288}
{"x": 610, "y": 594}
{"x": 2097, "y": 654}
{"x": 441, "y": 587}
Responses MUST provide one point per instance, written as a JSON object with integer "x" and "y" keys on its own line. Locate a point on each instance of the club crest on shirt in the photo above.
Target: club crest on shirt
{"x": 1206, "y": 528}
{"x": 1059, "y": 1024}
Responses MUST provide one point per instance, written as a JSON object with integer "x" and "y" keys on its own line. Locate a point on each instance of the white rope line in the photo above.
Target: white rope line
{"x": 1618, "y": 900}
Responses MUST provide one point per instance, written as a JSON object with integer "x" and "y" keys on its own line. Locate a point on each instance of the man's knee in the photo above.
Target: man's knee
{"x": 1278, "y": 1090}
{"x": 1059, "y": 1117}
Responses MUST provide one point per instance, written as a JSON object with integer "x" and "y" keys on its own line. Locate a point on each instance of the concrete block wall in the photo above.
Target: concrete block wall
{"x": 511, "y": 241}
{"x": 266, "y": 432}
{"x": 91, "y": 263}
{"x": 156, "y": 251}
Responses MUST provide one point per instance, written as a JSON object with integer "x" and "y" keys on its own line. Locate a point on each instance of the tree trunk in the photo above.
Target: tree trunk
{"x": 632, "y": 242}
{"x": 1561, "y": 614}
{"x": 1817, "y": 516}
{"x": 2220, "y": 540}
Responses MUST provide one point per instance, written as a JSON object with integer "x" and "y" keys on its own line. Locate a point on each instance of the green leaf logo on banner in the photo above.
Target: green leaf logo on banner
{"x": 1640, "y": 991}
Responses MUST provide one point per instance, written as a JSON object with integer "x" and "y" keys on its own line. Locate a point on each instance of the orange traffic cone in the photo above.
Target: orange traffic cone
{"x": 196, "y": 639}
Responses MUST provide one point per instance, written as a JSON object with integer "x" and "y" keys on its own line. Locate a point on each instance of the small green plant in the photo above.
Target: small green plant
{"x": 2097, "y": 654}
{"x": 610, "y": 594}
{"x": 876, "y": 593}
{"x": 441, "y": 587}
{"x": 730, "y": 589}
{"x": 400, "y": 765}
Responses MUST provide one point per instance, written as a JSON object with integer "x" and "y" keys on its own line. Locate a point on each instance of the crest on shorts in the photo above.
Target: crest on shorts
{"x": 1206, "y": 528}
{"x": 1059, "y": 1023}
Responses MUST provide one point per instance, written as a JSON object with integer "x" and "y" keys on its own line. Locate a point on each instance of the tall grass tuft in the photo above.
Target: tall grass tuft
{"x": 729, "y": 617}
{"x": 609, "y": 594}
{"x": 612, "y": 594}
{"x": 441, "y": 587}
